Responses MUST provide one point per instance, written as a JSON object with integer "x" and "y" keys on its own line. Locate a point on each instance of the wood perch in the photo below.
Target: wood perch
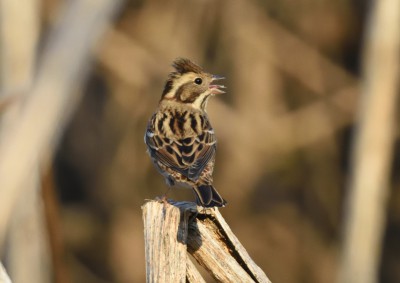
{"x": 175, "y": 228}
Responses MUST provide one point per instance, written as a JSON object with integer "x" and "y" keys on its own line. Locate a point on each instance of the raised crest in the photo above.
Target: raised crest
{"x": 183, "y": 65}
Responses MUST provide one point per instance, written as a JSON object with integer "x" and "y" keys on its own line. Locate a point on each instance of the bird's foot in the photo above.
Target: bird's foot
{"x": 162, "y": 199}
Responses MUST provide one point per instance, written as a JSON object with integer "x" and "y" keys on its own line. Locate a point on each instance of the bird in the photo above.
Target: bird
{"x": 179, "y": 137}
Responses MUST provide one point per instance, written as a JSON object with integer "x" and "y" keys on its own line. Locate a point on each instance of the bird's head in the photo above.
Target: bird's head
{"x": 189, "y": 84}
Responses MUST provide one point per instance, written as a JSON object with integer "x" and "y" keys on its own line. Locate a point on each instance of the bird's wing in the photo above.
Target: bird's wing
{"x": 187, "y": 156}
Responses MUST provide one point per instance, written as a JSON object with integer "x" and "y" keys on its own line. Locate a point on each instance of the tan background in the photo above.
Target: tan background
{"x": 284, "y": 131}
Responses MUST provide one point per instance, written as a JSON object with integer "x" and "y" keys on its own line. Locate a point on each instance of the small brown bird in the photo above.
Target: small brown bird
{"x": 179, "y": 136}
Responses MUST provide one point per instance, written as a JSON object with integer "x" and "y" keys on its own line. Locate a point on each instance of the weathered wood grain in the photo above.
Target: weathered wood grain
{"x": 192, "y": 274}
{"x": 213, "y": 244}
{"x": 172, "y": 229}
{"x": 207, "y": 246}
{"x": 165, "y": 233}
{"x": 241, "y": 254}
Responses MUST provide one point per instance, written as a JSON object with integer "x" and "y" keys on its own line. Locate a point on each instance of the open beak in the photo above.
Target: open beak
{"x": 214, "y": 88}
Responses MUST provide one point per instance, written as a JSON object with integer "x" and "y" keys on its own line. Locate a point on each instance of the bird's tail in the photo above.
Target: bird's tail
{"x": 207, "y": 196}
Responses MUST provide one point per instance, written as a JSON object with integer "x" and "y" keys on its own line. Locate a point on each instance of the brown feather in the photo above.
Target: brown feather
{"x": 183, "y": 65}
{"x": 179, "y": 136}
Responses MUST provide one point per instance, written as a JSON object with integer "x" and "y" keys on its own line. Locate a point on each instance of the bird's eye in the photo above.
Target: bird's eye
{"x": 198, "y": 81}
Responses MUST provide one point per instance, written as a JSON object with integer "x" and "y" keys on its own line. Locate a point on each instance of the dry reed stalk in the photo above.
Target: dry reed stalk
{"x": 373, "y": 147}
{"x": 27, "y": 252}
{"x": 36, "y": 130}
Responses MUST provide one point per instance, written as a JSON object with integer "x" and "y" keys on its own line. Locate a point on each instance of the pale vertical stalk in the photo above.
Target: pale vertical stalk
{"x": 27, "y": 249}
{"x": 373, "y": 147}
{"x": 27, "y": 253}
{"x": 19, "y": 29}
{"x": 42, "y": 118}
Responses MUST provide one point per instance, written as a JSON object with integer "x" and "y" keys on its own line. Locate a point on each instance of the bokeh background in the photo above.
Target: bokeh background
{"x": 284, "y": 128}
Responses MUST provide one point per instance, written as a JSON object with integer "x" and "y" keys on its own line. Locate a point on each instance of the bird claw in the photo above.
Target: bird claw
{"x": 162, "y": 199}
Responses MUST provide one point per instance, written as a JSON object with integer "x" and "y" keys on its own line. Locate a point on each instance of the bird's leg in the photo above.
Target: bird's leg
{"x": 199, "y": 203}
{"x": 164, "y": 198}
{"x": 170, "y": 183}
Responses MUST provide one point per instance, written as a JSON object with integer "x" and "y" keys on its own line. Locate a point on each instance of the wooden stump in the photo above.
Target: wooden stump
{"x": 175, "y": 228}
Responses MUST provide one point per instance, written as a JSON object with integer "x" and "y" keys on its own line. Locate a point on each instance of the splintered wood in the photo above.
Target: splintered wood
{"x": 173, "y": 229}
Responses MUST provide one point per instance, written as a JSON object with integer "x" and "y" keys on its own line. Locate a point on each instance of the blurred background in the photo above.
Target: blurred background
{"x": 284, "y": 131}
